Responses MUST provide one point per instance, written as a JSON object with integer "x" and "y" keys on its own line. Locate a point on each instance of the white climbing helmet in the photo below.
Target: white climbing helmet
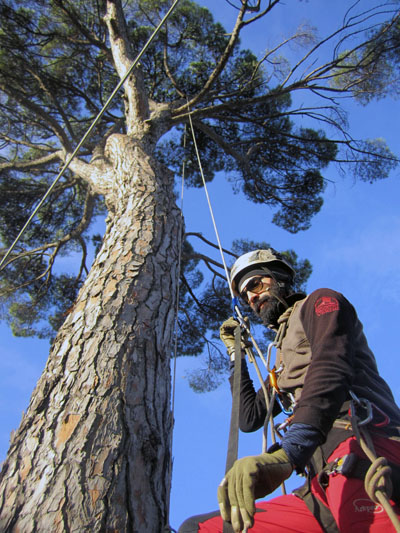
{"x": 256, "y": 260}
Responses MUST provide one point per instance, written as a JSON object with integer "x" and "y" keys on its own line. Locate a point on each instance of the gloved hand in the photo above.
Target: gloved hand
{"x": 251, "y": 478}
{"x": 227, "y": 335}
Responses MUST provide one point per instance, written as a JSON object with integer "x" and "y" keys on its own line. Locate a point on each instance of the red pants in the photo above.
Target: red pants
{"x": 346, "y": 498}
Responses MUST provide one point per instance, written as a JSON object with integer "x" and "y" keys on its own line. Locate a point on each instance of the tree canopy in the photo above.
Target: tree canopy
{"x": 93, "y": 451}
{"x": 59, "y": 62}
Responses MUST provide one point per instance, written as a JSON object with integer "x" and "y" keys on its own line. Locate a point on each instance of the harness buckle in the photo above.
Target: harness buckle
{"x": 344, "y": 465}
{"x": 341, "y": 465}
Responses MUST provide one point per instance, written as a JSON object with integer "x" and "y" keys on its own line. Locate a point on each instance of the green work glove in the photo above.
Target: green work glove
{"x": 251, "y": 478}
{"x": 227, "y": 336}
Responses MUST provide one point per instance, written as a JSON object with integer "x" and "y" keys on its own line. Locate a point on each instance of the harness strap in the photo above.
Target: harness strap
{"x": 321, "y": 513}
{"x": 233, "y": 441}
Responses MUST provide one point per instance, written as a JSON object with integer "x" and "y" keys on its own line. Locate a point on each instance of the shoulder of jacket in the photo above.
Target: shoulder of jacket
{"x": 324, "y": 300}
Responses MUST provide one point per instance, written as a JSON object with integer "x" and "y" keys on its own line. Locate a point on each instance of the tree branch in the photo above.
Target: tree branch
{"x": 208, "y": 262}
{"x": 201, "y": 237}
{"x": 33, "y": 163}
{"x": 137, "y": 106}
{"x": 75, "y": 20}
{"x": 223, "y": 59}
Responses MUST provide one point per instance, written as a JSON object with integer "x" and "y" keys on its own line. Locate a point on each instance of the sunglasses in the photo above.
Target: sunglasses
{"x": 255, "y": 285}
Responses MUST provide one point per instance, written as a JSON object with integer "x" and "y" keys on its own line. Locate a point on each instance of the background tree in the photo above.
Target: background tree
{"x": 98, "y": 424}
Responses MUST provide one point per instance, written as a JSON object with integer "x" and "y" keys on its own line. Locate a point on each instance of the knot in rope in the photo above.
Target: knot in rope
{"x": 378, "y": 479}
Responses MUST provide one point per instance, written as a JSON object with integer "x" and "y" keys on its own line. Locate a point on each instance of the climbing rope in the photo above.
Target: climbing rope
{"x": 88, "y": 133}
{"x": 236, "y": 309}
{"x": 209, "y": 205}
{"x": 235, "y": 305}
{"x": 377, "y": 482}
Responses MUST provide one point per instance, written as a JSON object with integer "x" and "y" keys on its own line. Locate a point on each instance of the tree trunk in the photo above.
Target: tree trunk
{"x": 93, "y": 450}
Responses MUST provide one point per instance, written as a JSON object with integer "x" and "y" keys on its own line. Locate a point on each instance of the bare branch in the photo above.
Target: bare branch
{"x": 75, "y": 234}
{"x": 22, "y": 164}
{"x": 223, "y": 59}
{"x": 22, "y": 142}
{"x": 168, "y": 71}
{"x": 271, "y": 4}
{"x": 200, "y": 236}
{"x": 192, "y": 294}
{"x": 208, "y": 262}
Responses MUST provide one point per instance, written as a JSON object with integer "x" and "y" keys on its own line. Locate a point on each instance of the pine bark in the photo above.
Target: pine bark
{"x": 92, "y": 452}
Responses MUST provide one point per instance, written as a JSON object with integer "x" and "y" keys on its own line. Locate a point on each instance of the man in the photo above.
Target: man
{"x": 324, "y": 370}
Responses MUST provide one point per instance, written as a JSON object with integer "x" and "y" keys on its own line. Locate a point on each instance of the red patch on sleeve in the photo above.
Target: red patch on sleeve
{"x": 326, "y": 304}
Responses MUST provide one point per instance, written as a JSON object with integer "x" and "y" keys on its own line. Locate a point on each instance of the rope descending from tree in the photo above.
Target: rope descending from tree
{"x": 243, "y": 324}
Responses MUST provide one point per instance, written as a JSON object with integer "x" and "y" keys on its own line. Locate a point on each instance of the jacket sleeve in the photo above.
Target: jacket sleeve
{"x": 328, "y": 320}
{"x": 252, "y": 411}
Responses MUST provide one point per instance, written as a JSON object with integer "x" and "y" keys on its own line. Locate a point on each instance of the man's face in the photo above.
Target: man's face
{"x": 258, "y": 291}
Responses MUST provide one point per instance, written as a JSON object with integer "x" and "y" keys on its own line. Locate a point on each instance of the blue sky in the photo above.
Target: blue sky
{"x": 353, "y": 245}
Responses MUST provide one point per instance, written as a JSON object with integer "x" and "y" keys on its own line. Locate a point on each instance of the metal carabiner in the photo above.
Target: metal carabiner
{"x": 362, "y": 403}
{"x": 385, "y": 421}
{"x": 287, "y": 411}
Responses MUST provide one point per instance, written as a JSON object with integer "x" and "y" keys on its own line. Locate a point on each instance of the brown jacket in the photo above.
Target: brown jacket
{"x": 324, "y": 354}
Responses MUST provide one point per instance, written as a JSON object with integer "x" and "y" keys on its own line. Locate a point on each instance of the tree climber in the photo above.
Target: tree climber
{"x": 326, "y": 379}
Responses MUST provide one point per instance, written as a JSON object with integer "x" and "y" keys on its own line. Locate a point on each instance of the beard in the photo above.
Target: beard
{"x": 270, "y": 308}
{"x": 270, "y": 312}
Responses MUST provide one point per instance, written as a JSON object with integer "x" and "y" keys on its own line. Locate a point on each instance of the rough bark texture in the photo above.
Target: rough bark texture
{"x": 92, "y": 452}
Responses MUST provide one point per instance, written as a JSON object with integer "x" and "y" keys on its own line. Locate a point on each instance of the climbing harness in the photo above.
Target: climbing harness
{"x": 88, "y": 132}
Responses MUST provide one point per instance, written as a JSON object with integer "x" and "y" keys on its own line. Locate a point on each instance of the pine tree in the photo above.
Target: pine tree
{"x": 92, "y": 452}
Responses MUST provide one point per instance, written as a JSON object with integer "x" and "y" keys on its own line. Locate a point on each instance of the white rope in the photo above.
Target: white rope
{"x": 210, "y": 206}
{"x": 88, "y": 133}
{"x": 237, "y": 309}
